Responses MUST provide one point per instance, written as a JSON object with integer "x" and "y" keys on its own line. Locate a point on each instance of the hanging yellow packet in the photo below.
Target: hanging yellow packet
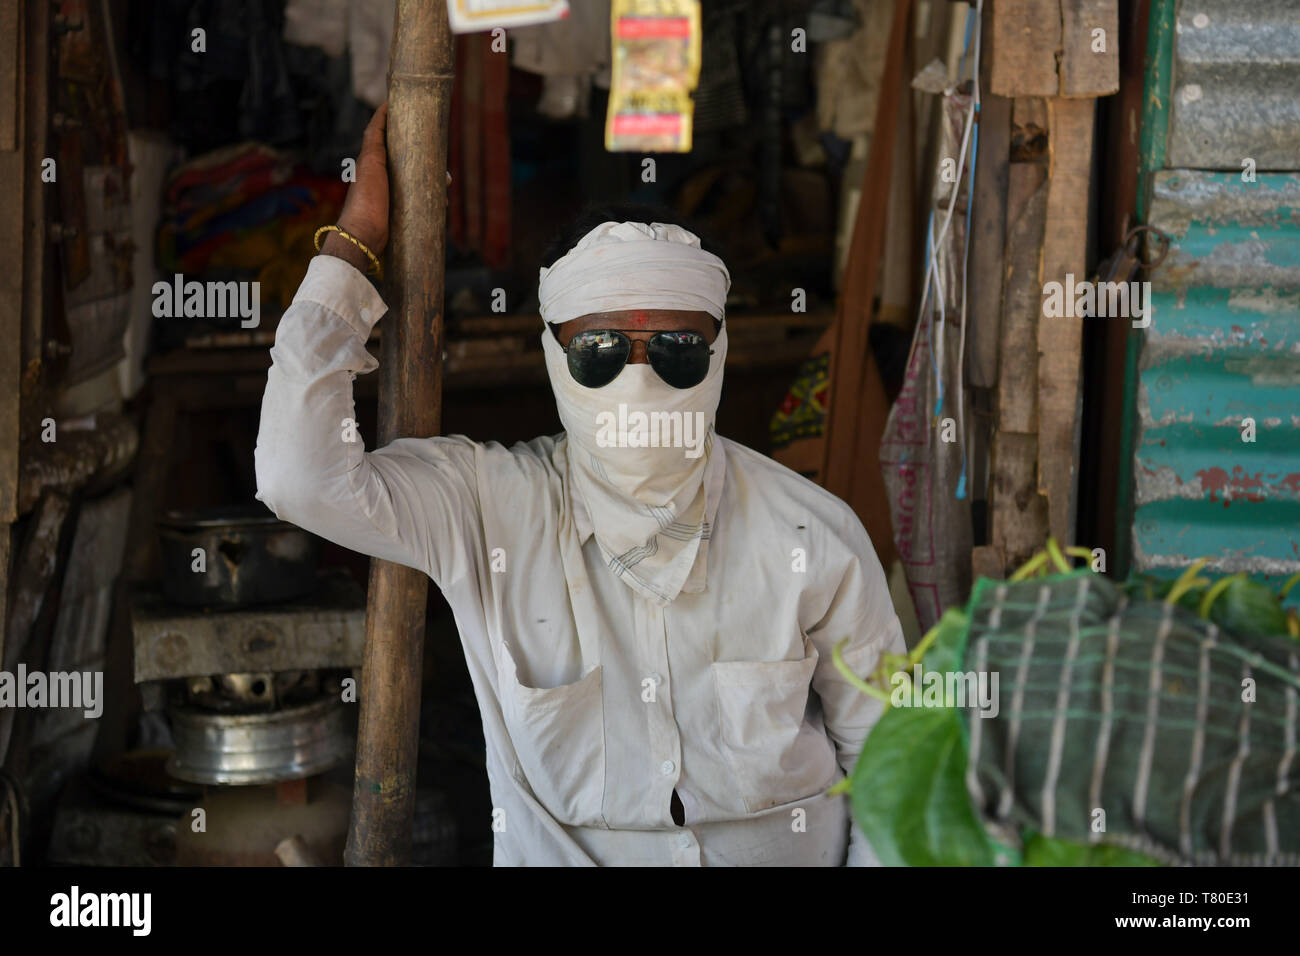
{"x": 655, "y": 65}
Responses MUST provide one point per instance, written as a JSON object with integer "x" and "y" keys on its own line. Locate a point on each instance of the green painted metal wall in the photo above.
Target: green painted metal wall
{"x": 1223, "y": 347}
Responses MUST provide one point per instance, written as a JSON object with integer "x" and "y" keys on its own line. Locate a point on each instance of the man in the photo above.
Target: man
{"x": 647, "y": 609}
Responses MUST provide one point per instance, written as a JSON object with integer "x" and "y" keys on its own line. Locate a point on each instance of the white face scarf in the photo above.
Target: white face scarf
{"x": 641, "y": 453}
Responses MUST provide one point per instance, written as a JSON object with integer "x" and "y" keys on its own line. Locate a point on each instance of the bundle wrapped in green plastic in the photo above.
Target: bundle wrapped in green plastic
{"x": 1111, "y": 727}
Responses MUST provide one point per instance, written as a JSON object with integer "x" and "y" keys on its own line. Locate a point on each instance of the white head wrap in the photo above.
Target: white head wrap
{"x": 634, "y": 265}
{"x": 651, "y": 508}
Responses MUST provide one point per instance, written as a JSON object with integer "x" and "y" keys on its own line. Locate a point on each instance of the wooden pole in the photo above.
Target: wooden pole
{"x": 410, "y": 404}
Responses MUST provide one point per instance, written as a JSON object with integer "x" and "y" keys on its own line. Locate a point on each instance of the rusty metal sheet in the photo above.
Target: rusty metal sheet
{"x": 1236, "y": 70}
{"x": 1230, "y": 234}
{"x": 1223, "y": 347}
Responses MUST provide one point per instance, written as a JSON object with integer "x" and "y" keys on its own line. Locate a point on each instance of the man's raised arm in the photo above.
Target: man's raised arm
{"x": 414, "y": 501}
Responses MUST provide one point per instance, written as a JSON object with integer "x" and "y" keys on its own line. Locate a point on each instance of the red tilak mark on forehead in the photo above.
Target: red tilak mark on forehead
{"x": 638, "y": 318}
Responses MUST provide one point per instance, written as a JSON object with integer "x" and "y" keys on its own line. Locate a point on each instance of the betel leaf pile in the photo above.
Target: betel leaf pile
{"x": 911, "y": 789}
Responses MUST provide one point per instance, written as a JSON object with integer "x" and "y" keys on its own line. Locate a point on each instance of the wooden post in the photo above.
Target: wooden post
{"x": 988, "y": 231}
{"x": 410, "y": 404}
{"x": 1060, "y": 339}
{"x": 1064, "y": 51}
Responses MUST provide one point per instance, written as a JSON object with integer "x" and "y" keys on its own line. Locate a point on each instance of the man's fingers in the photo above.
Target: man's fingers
{"x": 373, "y": 139}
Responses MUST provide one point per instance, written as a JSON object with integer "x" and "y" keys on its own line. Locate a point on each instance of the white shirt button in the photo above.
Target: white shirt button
{"x": 667, "y": 767}
{"x": 684, "y": 840}
{"x": 365, "y": 314}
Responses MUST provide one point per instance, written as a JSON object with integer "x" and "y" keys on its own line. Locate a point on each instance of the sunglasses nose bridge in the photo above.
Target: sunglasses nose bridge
{"x": 640, "y": 352}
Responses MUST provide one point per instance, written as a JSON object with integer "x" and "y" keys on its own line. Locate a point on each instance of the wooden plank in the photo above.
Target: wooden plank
{"x": 1089, "y": 60}
{"x": 1028, "y": 129}
{"x": 1019, "y": 512}
{"x": 858, "y": 408}
{"x": 1060, "y": 339}
{"x": 9, "y": 51}
{"x": 22, "y": 231}
{"x": 6, "y": 536}
{"x": 1025, "y": 38}
{"x": 14, "y": 173}
{"x": 986, "y": 561}
{"x": 36, "y": 195}
{"x": 988, "y": 242}
{"x": 900, "y": 267}
{"x": 1016, "y": 408}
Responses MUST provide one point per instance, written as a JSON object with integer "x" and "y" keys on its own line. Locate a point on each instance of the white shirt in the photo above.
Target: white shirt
{"x": 597, "y": 703}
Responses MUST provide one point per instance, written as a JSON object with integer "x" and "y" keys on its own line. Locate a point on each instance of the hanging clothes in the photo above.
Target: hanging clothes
{"x": 479, "y": 151}
{"x": 571, "y": 55}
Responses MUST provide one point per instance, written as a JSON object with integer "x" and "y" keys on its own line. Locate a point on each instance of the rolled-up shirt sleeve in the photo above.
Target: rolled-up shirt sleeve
{"x": 414, "y": 501}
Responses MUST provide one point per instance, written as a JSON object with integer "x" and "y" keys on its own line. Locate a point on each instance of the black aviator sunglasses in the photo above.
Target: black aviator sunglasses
{"x": 597, "y": 356}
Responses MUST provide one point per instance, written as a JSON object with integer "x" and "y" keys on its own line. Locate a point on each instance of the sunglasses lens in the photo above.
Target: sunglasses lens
{"x": 680, "y": 358}
{"x": 596, "y": 358}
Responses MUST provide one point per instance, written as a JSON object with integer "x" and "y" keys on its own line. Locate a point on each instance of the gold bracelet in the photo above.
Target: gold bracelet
{"x": 374, "y": 260}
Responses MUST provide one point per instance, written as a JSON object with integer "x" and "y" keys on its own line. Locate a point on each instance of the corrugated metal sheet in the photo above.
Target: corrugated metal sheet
{"x": 1224, "y": 341}
{"x": 1236, "y": 73}
{"x": 1223, "y": 346}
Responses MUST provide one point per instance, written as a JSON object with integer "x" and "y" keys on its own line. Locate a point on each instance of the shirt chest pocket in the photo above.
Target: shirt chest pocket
{"x": 776, "y": 755}
{"x": 558, "y": 734}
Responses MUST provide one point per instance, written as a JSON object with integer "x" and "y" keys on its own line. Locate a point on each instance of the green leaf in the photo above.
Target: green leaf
{"x": 1250, "y": 608}
{"x": 1048, "y": 851}
{"x": 909, "y": 791}
{"x": 909, "y": 786}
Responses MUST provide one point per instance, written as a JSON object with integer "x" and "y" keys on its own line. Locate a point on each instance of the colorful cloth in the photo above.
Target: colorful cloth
{"x": 247, "y": 210}
{"x": 803, "y": 413}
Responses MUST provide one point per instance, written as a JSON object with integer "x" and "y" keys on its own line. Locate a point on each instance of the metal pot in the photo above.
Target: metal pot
{"x": 261, "y": 748}
{"x": 249, "y": 557}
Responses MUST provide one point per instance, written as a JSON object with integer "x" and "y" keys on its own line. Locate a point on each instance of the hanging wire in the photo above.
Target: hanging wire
{"x": 936, "y": 339}
{"x": 976, "y": 15}
{"x": 974, "y": 29}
